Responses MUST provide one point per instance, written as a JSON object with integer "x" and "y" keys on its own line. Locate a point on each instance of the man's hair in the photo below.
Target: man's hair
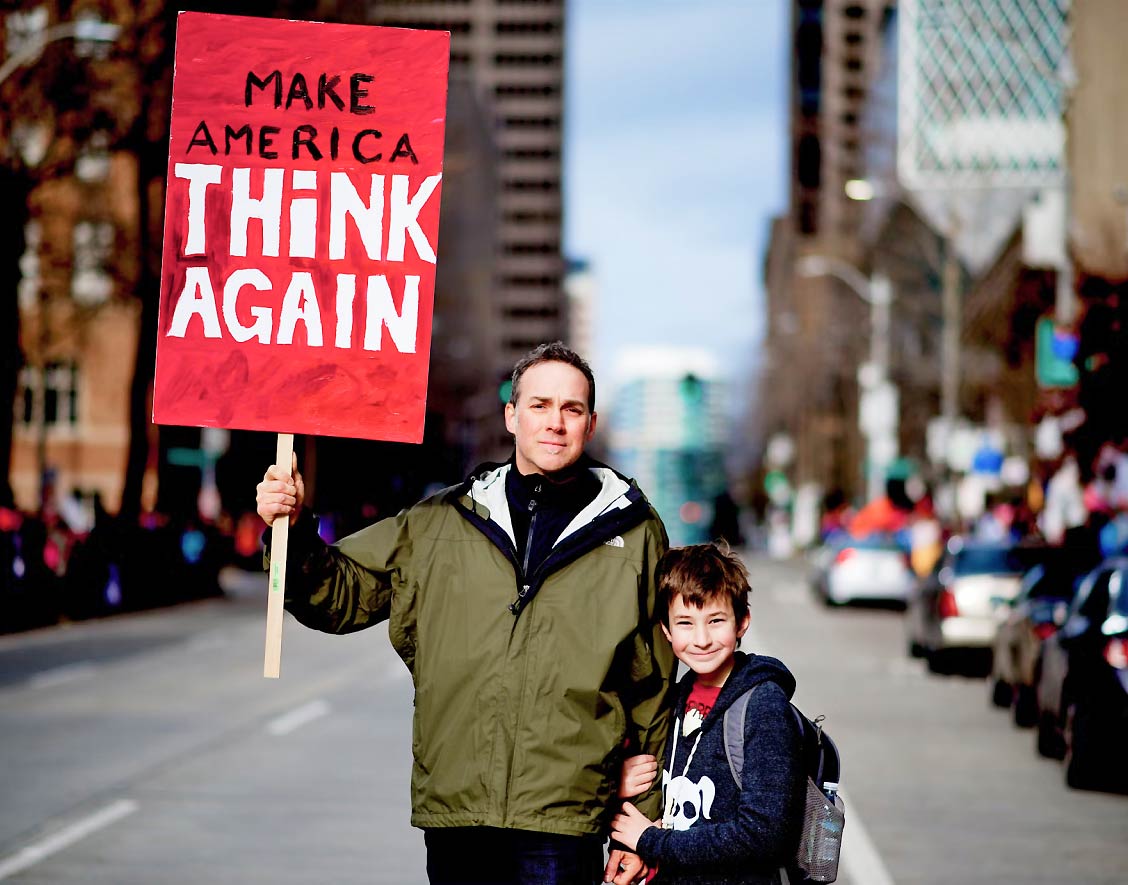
{"x": 700, "y": 573}
{"x": 554, "y": 352}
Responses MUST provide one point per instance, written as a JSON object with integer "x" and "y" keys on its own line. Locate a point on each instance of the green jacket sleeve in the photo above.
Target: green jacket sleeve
{"x": 652, "y": 673}
{"x": 345, "y": 587}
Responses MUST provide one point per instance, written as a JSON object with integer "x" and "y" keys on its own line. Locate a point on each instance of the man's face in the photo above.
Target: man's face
{"x": 551, "y": 423}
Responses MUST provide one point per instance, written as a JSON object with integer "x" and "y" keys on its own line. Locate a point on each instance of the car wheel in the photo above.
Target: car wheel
{"x": 1049, "y": 742}
{"x": 939, "y": 661}
{"x": 1025, "y": 706}
{"x": 1082, "y": 754}
{"x": 1002, "y": 695}
{"x": 914, "y": 648}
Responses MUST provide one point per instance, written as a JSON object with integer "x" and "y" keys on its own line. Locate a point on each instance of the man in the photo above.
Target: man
{"x": 523, "y": 603}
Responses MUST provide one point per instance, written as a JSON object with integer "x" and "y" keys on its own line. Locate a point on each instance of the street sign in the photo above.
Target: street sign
{"x": 1054, "y": 349}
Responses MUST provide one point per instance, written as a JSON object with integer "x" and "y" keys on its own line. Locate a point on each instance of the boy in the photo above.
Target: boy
{"x": 711, "y": 830}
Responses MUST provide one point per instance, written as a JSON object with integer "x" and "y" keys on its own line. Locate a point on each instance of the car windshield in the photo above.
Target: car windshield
{"x": 987, "y": 561}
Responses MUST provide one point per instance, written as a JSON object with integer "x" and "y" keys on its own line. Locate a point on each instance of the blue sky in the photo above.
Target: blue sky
{"x": 674, "y": 163}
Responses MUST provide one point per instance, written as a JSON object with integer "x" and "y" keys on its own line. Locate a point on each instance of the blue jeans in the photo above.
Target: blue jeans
{"x": 489, "y": 856}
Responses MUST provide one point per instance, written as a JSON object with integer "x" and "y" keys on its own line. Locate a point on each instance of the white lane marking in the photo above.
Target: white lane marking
{"x": 76, "y": 672}
{"x": 297, "y": 717}
{"x": 32, "y": 854}
{"x": 859, "y": 855}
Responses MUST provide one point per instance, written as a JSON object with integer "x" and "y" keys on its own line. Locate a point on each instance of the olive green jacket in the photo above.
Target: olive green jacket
{"x": 526, "y": 686}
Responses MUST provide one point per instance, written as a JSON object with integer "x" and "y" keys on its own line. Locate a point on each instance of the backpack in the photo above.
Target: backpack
{"x": 822, "y": 765}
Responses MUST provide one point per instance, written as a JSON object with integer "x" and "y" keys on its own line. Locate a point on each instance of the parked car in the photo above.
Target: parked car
{"x": 1082, "y": 686}
{"x": 955, "y": 609}
{"x": 1032, "y": 617}
{"x": 874, "y": 568}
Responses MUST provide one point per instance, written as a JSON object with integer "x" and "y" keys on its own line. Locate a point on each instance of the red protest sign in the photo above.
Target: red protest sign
{"x": 301, "y": 227}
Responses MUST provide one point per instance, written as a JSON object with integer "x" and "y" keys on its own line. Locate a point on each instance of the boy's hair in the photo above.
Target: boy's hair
{"x": 698, "y": 573}
{"x": 555, "y": 352}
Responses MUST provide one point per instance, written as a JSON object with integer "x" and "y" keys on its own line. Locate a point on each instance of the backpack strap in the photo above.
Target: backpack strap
{"x": 734, "y": 734}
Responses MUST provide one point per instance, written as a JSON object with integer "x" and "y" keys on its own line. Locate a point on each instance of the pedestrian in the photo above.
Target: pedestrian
{"x": 523, "y": 603}
{"x": 713, "y": 831}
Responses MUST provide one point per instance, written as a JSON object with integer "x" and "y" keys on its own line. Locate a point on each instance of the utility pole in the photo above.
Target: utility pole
{"x": 952, "y": 311}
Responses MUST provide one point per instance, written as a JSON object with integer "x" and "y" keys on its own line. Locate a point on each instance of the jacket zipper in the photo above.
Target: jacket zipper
{"x": 515, "y": 606}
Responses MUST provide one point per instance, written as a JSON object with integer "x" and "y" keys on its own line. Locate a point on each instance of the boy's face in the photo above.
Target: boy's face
{"x": 704, "y": 639}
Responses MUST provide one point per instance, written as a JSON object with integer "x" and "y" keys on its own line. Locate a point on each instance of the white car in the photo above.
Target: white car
{"x": 958, "y": 608}
{"x": 875, "y": 568}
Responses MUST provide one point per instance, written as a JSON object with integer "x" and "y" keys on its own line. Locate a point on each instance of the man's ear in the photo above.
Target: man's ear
{"x": 510, "y": 418}
{"x": 591, "y": 427}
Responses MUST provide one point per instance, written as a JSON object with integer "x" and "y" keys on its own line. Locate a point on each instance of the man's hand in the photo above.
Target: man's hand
{"x": 637, "y": 776}
{"x": 628, "y": 825}
{"x": 280, "y": 493}
{"x": 624, "y": 868}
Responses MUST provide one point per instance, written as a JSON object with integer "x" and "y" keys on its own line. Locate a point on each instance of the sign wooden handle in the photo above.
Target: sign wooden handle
{"x": 275, "y": 594}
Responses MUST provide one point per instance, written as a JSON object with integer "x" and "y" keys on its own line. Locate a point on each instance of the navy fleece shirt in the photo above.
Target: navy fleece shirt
{"x": 722, "y": 833}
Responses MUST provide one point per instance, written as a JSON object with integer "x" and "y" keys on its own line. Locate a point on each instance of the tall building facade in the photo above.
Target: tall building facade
{"x": 668, "y": 430}
{"x": 817, "y": 323}
{"x": 513, "y": 51}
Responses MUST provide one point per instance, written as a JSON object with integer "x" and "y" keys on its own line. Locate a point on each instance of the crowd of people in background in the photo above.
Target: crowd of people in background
{"x": 71, "y": 562}
{"x": 1073, "y": 501}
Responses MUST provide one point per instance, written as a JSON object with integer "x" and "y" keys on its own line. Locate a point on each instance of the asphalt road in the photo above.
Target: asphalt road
{"x": 149, "y": 749}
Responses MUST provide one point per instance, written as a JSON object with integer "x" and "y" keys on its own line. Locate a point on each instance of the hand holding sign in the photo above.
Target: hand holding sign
{"x": 301, "y": 234}
{"x": 281, "y": 493}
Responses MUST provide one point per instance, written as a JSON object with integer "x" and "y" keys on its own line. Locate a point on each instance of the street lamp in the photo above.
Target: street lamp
{"x": 877, "y": 413}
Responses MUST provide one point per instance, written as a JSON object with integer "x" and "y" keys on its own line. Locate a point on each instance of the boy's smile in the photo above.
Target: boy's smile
{"x": 705, "y": 639}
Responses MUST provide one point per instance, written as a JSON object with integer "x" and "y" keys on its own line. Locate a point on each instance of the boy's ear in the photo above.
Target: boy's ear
{"x": 666, "y": 631}
{"x": 742, "y": 628}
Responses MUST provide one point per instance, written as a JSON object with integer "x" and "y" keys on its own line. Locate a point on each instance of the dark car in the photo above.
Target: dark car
{"x": 1082, "y": 686}
{"x": 954, "y": 610}
{"x": 1032, "y": 617}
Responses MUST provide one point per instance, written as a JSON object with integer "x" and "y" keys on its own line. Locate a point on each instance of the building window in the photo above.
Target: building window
{"x": 532, "y": 154}
{"x": 531, "y": 313}
{"x": 525, "y": 185}
{"x": 530, "y": 216}
{"x": 530, "y": 249}
{"x": 525, "y": 90}
{"x": 527, "y": 27}
{"x": 93, "y": 243}
{"x": 531, "y": 122}
{"x": 514, "y": 59}
{"x": 48, "y": 397}
{"x": 531, "y": 281}
{"x": 521, "y": 345}
{"x": 23, "y": 27}
{"x": 28, "y": 289}
{"x": 92, "y": 165}
{"x": 455, "y": 27}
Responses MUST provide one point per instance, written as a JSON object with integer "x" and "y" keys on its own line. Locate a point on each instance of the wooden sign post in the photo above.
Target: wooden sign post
{"x": 301, "y": 235}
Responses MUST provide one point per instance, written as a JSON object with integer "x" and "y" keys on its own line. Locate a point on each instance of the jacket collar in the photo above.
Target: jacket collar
{"x": 485, "y": 488}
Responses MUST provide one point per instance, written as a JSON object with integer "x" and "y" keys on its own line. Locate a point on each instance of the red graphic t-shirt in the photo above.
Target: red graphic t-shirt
{"x": 697, "y": 706}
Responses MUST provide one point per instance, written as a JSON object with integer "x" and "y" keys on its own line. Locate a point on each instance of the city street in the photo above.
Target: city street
{"x": 149, "y": 749}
